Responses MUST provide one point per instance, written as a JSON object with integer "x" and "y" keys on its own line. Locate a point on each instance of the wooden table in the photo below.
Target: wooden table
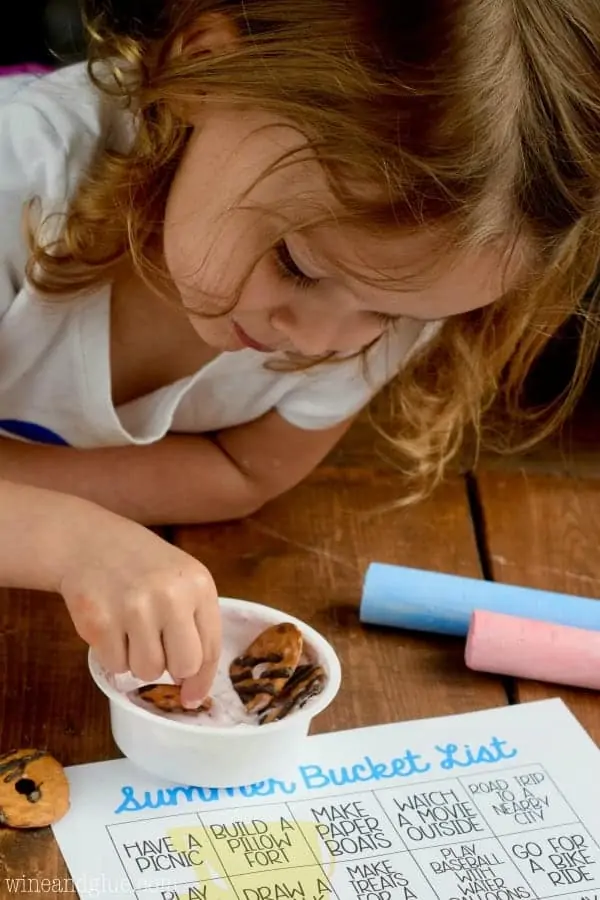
{"x": 307, "y": 553}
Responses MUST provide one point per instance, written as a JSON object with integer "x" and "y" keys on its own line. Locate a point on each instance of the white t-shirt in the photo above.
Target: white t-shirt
{"x": 55, "y": 379}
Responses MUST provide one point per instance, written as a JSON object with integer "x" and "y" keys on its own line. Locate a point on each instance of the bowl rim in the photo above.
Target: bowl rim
{"x": 324, "y": 649}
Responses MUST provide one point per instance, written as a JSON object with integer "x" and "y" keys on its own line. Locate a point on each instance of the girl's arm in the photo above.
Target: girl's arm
{"x": 142, "y": 604}
{"x": 182, "y": 479}
{"x": 42, "y": 530}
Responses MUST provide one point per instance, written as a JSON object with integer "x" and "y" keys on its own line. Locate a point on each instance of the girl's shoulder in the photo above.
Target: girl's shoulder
{"x": 50, "y": 129}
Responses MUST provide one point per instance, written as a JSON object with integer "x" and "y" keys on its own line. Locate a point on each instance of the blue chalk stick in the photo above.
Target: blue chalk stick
{"x": 418, "y": 600}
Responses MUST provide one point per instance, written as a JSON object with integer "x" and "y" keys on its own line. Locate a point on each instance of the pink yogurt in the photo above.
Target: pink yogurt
{"x": 227, "y": 710}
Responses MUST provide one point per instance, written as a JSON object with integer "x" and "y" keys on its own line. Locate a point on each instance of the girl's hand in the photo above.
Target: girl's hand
{"x": 144, "y": 606}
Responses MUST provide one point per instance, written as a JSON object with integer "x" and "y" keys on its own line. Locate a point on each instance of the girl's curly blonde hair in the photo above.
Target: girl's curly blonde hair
{"x": 481, "y": 117}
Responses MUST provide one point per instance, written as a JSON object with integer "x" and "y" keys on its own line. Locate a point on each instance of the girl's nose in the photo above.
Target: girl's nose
{"x": 309, "y": 335}
{"x": 313, "y": 330}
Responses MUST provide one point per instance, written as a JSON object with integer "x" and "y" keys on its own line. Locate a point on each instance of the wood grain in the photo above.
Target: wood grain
{"x": 543, "y": 531}
{"x": 307, "y": 554}
{"x": 47, "y": 701}
{"x": 571, "y": 451}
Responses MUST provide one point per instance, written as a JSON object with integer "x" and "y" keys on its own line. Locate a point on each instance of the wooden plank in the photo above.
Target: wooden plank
{"x": 47, "y": 700}
{"x": 573, "y": 449}
{"x": 307, "y": 554}
{"x": 543, "y": 531}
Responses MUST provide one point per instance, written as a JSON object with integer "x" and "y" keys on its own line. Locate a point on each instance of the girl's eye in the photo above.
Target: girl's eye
{"x": 386, "y": 319}
{"x": 289, "y": 270}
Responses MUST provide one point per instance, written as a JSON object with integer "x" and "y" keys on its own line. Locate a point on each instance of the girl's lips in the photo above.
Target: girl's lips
{"x": 248, "y": 341}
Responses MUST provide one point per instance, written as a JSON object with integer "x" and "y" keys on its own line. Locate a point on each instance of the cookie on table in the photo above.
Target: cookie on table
{"x": 34, "y": 791}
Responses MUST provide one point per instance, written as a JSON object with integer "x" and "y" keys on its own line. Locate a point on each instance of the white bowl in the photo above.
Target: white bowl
{"x": 190, "y": 754}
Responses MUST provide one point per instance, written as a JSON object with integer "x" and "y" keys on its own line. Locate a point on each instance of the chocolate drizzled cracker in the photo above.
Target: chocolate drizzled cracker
{"x": 306, "y": 682}
{"x": 167, "y": 697}
{"x": 263, "y": 670}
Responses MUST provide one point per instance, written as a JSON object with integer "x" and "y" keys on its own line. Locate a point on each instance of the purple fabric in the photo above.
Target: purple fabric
{"x": 24, "y": 69}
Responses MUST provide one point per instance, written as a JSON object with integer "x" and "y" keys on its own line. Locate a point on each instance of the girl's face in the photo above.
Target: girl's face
{"x": 300, "y": 296}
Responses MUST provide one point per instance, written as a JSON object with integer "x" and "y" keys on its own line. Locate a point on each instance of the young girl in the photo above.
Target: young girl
{"x": 221, "y": 241}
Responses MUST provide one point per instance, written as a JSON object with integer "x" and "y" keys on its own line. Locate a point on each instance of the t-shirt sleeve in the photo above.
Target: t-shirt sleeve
{"x": 49, "y": 130}
{"x": 331, "y": 393}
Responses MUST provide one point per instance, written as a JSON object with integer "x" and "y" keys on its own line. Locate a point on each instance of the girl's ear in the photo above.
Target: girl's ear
{"x": 212, "y": 33}
{"x": 142, "y": 18}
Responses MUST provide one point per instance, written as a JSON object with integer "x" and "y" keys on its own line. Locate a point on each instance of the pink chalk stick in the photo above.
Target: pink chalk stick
{"x": 524, "y": 648}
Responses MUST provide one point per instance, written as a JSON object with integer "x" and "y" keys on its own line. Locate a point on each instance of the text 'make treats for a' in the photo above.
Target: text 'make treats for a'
{"x": 273, "y": 676}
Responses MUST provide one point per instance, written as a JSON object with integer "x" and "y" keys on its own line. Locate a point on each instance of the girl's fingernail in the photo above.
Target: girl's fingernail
{"x": 192, "y": 704}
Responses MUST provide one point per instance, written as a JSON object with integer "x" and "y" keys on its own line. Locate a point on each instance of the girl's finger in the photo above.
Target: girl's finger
{"x": 196, "y": 688}
{"x": 182, "y": 648}
{"x": 145, "y": 652}
{"x": 111, "y": 652}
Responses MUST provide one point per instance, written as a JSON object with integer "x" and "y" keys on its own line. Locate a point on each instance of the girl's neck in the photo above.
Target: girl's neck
{"x": 152, "y": 342}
